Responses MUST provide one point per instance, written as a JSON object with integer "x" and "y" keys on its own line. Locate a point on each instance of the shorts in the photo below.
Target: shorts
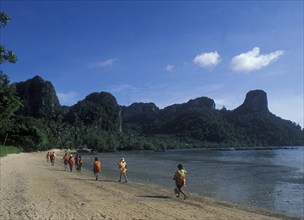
{"x": 179, "y": 186}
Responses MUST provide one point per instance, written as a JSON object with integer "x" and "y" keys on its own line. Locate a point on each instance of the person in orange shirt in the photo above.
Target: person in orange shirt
{"x": 65, "y": 161}
{"x": 48, "y": 157}
{"x": 71, "y": 162}
{"x": 96, "y": 167}
{"x": 180, "y": 181}
{"x": 122, "y": 165}
{"x": 52, "y": 158}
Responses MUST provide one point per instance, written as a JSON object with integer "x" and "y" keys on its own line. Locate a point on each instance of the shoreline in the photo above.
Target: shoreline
{"x": 33, "y": 189}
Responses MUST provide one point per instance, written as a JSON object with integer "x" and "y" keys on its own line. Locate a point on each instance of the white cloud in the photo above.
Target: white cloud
{"x": 68, "y": 98}
{"x": 207, "y": 60}
{"x": 253, "y": 60}
{"x": 170, "y": 68}
{"x": 104, "y": 63}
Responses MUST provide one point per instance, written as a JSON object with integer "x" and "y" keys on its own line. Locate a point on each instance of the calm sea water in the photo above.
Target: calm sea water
{"x": 268, "y": 179}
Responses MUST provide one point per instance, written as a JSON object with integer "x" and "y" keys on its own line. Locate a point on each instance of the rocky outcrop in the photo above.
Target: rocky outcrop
{"x": 99, "y": 110}
{"x": 255, "y": 101}
{"x": 39, "y": 98}
{"x": 198, "y": 104}
{"x": 139, "y": 108}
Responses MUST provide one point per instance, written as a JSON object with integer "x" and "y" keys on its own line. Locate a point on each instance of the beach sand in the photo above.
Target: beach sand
{"x": 33, "y": 189}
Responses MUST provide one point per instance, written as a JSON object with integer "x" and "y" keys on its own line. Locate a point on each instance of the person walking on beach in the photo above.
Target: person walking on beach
{"x": 122, "y": 165}
{"x": 52, "y": 158}
{"x": 48, "y": 157}
{"x": 76, "y": 161}
{"x": 80, "y": 162}
{"x": 96, "y": 167}
{"x": 65, "y": 161}
{"x": 180, "y": 181}
{"x": 71, "y": 162}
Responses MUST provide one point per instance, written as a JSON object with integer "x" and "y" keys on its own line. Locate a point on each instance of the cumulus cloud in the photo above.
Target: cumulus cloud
{"x": 104, "y": 63}
{"x": 170, "y": 68}
{"x": 207, "y": 60}
{"x": 67, "y": 98}
{"x": 253, "y": 60}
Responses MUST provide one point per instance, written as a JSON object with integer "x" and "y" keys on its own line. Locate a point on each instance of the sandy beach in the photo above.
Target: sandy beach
{"x": 33, "y": 189}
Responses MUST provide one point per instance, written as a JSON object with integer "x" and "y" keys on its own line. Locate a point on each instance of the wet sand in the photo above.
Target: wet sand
{"x": 33, "y": 189}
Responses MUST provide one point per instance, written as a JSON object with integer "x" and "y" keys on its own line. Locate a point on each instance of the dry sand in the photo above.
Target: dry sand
{"x": 33, "y": 189}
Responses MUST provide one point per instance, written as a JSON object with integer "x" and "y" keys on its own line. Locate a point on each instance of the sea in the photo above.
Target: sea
{"x": 265, "y": 178}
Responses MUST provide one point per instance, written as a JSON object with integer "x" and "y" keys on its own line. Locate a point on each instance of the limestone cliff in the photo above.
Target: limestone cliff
{"x": 39, "y": 98}
{"x": 139, "y": 108}
{"x": 99, "y": 110}
{"x": 255, "y": 101}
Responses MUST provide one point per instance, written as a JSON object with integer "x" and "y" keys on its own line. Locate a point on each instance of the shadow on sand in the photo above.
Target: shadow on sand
{"x": 91, "y": 179}
{"x": 155, "y": 197}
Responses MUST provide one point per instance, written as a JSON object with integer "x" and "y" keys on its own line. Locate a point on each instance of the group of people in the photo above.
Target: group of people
{"x": 72, "y": 161}
{"x": 50, "y": 157}
{"x": 179, "y": 176}
{"x": 77, "y": 161}
{"x": 122, "y": 165}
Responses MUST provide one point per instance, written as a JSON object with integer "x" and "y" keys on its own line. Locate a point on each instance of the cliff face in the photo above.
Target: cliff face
{"x": 202, "y": 103}
{"x": 40, "y": 101}
{"x": 97, "y": 109}
{"x": 255, "y": 101}
{"x": 138, "y": 109}
{"x": 38, "y": 97}
{"x": 150, "y": 109}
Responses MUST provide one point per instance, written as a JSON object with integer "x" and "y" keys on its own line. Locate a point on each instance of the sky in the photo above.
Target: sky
{"x": 164, "y": 52}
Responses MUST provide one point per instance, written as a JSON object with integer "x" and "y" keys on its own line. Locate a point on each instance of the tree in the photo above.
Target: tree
{"x": 6, "y": 55}
{"x": 9, "y": 101}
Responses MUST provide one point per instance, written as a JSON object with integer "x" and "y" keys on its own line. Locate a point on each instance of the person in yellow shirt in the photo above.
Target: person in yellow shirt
{"x": 122, "y": 165}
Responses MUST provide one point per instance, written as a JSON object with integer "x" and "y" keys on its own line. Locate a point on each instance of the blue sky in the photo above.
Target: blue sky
{"x": 164, "y": 52}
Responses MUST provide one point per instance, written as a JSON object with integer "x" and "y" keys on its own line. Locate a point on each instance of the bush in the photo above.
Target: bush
{"x": 4, "y": 150}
